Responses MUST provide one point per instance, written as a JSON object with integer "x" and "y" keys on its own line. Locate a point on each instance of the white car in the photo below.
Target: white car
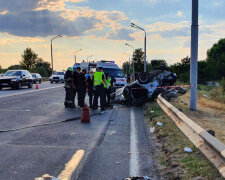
{"x": 57, "y": 77}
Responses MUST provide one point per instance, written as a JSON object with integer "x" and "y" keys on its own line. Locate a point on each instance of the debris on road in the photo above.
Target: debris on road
{"x": 138, "y": 178}
{"x": 117, "y": 162}
{"x": 152, "y": 129}
{"x": 187, "y": 149}
{"x": 159, "y": 124}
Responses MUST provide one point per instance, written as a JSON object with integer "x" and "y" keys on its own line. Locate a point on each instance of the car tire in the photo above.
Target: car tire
{"x": 19, "y": 85}
{"x": 30, "y": 84}
{"x": 0, "y": 88}
{"x": 143, "y": 78}
{"x": 51, "y": 82}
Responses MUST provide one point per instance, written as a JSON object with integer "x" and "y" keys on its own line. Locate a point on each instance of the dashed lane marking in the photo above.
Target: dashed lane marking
{"x": 134, "y": 157}
{"x": 71, "y": 166}
{"x": 32, "y": 91}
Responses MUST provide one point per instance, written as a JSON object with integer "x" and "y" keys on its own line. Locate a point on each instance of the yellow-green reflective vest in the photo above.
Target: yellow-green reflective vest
{"x": 108, "y": 81}
{"x": 98, "y": 78}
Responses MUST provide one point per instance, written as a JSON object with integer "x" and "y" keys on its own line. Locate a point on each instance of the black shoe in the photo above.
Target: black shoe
{"x": 94, "y": 108}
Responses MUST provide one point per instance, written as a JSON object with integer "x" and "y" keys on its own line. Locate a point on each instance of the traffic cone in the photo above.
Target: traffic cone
{"x": 85, "y": 117}
{"x": 36, "y": 86}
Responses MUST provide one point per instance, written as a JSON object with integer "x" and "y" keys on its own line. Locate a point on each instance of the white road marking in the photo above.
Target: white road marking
{"x": 134, "y": 156}
{"x": 15, "y": 110}
{"x": 36, "y": 90}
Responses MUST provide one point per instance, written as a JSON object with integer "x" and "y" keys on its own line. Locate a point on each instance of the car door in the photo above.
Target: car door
{"x": 23, "y": 78}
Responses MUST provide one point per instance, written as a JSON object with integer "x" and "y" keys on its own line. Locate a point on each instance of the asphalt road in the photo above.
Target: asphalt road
{"x": 115, "y": 144}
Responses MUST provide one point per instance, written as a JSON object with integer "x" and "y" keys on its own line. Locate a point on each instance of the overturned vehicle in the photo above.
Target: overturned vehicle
{"x": 148, "y": 86}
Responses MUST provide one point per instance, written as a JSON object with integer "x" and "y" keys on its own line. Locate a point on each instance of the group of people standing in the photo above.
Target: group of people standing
{"x": 97, "y": 85}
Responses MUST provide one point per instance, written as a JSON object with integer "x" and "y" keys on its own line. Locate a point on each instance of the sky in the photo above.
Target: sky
{"x": 102, "y": 27}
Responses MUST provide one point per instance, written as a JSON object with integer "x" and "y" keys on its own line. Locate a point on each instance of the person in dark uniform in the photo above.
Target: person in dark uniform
{"x": 90, "y": 83}
{"x": 99, "y": 82}
{"x": 81, "y": 86}
{"x": 107, "y": 89}
{"x": 69, "y": 88}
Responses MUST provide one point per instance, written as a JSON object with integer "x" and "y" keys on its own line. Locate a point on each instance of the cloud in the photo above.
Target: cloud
{"x": 120, "y": 34}
{"x": 180, "y": 14}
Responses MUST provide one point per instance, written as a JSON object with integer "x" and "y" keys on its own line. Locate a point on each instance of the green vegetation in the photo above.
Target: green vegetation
{"x": 177, "y": 163}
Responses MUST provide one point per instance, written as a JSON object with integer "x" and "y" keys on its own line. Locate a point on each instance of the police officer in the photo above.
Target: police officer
{"x": 99, "y": 82}
{"x": 90, "y": 82}
{"x": 81, "y": 86}
{"x": 69, "y": 88}
{"x": 107, "y": 89}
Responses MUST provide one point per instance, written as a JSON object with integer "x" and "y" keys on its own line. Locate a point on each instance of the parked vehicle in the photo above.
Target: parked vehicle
{"x": 57, "y": 77}
{"x": 16, "y": 79}
{"x": 36, "y": 78}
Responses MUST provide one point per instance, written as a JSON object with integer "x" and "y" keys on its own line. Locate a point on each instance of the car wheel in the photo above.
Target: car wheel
{"x": 19, "y": 85}
{"x": 30, "y": 84}
{"x": 0, "y": 88}
{"x": 51, "y": 82}
{"x": 143, "y": 78}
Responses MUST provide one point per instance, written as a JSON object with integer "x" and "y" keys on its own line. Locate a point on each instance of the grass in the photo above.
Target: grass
{"x": 178, "y": 164}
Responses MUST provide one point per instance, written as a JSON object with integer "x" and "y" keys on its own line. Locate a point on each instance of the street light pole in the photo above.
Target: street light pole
{"x": 194, "y": 56}
{"x": 75, "y": 57}
{"x": 132, "y": 58}
{"x": 56, "y": 37}
{"x": 145, "y": 42}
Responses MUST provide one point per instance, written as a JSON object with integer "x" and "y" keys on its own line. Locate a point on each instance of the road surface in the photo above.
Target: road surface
{"x": 113, "y": 146}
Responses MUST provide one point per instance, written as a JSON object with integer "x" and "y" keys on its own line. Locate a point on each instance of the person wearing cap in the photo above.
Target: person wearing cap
{"x": 107, "y": 89}
{"x": 69, "y": 88}
{"x": 99, "y": 82}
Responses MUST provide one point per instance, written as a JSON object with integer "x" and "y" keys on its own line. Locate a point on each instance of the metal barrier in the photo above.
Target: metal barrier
{"x": 211, "y": 147}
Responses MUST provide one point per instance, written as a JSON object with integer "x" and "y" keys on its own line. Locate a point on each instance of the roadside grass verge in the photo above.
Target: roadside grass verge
{"x": 177, "y": 164}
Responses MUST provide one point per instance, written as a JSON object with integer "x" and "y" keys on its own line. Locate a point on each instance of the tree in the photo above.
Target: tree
{"x": 216, "y": 60}
{"x": 43, "y": 68}
{"x": 156, "y": 63}
{"x": 29, "y": 59}
{"x": 125, "y": 68}
{"x": 139, "y": 60}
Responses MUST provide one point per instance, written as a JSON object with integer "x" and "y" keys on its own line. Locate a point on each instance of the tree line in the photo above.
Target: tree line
{"x": 210, "y": 69}
{"x": 31, "y": 62}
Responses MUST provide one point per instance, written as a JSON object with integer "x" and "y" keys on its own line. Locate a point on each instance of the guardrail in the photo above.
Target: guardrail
{"x": 211, "y": 147}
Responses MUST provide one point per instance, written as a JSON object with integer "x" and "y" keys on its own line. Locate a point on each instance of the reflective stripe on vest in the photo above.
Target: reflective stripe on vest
{"x": 98, "y": 78}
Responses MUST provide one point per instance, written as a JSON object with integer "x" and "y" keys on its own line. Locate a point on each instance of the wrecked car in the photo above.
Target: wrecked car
{"x": 148, "y": 86}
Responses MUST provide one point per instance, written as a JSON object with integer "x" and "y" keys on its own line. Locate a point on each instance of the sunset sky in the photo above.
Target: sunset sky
{"x": 102, "y": 27}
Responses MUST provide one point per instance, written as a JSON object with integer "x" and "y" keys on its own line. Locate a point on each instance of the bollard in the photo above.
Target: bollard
{"x": 85, "y": 117}
{"x": 36, "y": 86}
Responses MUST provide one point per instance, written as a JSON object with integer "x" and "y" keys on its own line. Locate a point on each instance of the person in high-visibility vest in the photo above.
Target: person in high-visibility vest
{"x": 107, "y": 89}
{"x": 99, "y": 82}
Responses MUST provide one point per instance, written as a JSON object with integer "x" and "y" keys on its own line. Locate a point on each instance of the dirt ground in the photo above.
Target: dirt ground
{"x": 210, "y": 113}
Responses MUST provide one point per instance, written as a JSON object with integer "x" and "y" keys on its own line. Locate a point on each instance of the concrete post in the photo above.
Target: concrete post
{"x": 194, "y": 56}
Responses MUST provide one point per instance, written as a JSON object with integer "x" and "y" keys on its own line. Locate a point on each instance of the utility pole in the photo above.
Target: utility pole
{"x": 194, "y": 56}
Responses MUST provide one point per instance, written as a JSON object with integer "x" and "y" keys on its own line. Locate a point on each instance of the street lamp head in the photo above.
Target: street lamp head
{"x": 132, "y": 25}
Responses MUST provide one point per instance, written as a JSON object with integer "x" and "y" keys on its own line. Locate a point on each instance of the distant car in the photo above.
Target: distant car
{"x": 16, "y": 79}
{"x": 57, "y": 77}
{"x": 36, "y": 78}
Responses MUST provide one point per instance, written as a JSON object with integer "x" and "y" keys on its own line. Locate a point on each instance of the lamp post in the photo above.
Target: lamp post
{"x": 75, "y": 57}
{"x": 89, "y": 57}
{"x": 56, "y": 37}
{"x": 194, "y": 56}
{"x": 138, "y": 27}
{"x": 132, "y": 58}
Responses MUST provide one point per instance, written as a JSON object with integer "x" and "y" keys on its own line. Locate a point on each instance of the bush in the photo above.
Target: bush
{"x": 223, "y": 84}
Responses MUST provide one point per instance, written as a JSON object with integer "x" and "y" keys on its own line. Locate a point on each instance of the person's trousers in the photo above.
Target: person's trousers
{"x": 107, "y": 96}
{"x": 81, "y": 92}
{"x": 70, "y": 95}
{"x": 90, "y": 94}
{"x": 99, "y": 92}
